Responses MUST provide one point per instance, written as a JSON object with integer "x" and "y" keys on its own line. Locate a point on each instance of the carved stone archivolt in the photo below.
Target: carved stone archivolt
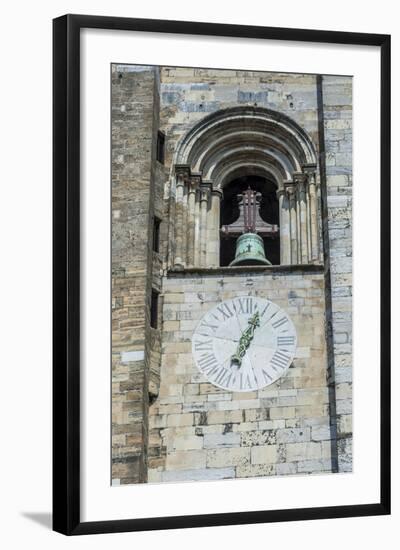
{"x": 230, "y": 144}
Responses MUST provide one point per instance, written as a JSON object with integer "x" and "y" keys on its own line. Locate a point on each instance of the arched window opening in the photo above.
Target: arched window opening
{"x": 224, "y": 155}
{"x": 268, "y": 211}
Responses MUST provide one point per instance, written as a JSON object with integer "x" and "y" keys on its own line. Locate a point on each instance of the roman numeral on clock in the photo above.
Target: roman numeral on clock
{"x": 265, "y": 309}
{"x": 208, "y": 362}
{"x": 280, "y": 322}
{"x": 208, "y": 325}
{"x": 244, "y": 381}
{"x": 245, "y": 305}
{"x": 206, "y": 345}
{"x": 223, "y": 377}
{"x": 226, "y": 312}
{"x": 279, "y": 360}
{"x": 267, "y": 377}
{"x": 285, "y": 341}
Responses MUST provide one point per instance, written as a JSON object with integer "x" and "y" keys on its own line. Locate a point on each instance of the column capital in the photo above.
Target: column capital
{"x": 300, "y": 179}
{"x": 194, "y": 182}
{"x": 290, "y": 188}
{"x": 217, "y": 192}
{"x": 182, "y": 173}
{"x": 205, "y": 191}
{"x": 311, "y": 171}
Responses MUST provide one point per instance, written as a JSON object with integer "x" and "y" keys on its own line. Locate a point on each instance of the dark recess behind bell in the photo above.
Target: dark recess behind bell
{"x": 269, "y": 212}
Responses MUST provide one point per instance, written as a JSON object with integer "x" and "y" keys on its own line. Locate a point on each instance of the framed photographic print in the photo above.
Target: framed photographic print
{"x": 221, "y": 274}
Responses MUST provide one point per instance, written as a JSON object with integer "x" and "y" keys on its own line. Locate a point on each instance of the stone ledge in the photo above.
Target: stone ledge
{"x": 248, "y": 269}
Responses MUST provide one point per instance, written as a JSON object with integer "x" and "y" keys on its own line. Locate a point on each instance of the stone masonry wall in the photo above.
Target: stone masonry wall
{"x": 134, "y": 125}
{"x": 198, "y": 431}
{"x": 188, "y": 94}
{"x": 337, "y": 122}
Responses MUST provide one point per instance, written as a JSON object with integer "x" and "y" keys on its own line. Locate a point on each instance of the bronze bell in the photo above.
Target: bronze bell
{"x": 250, "y": 250}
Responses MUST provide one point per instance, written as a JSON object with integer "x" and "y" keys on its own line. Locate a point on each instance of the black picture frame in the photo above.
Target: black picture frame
{"x": 66, "y": 272}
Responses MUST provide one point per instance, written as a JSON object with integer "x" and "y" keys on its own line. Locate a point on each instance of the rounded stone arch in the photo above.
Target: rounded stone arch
{"x": 245, "y": 136}
{"x": 240, "y": 142}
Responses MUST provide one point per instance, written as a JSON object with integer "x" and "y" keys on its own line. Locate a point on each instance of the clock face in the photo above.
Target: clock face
{"x": 244, "y": 344}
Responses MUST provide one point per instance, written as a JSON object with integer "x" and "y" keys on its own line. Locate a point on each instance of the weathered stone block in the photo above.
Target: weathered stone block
{"x": 258, "y": 437}
{"x": 228, "y": 457}
{"x": 255, "y": 470}
{"x": 185, "y": 419}
{"x": 319, "y": 433}
{"x": 293, "y": 435}
{"x": 187, "y": 443}
{"x": 223, "y": 417}
{"x": 314, "y": 466}
{"x": 284, "y": 469}
{"x": 265, "y": 454}
{"x": 183, "y": 460}
{"x": 213, "y": 441}
{"x": 303, "y": 451}
{"x": 200, "y": 474}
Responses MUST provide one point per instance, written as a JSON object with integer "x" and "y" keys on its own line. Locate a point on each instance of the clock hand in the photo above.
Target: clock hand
{"x": 245, "y": 339}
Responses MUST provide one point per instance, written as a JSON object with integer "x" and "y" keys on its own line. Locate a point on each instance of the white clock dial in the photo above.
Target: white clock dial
{"x": 244, "y": 344}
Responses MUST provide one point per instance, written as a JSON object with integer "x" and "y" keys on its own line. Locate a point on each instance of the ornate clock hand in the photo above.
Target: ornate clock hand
{"x": 245, "y": 339}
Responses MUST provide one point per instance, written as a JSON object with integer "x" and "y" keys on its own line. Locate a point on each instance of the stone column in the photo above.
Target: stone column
{"x": 300, "y": 180}
{"x": 180, "y": 244}
{"x": 185, "y": 199}
{"x": 204, "y": 197}
{"x": 192, "y": 189}
{"x": 284, "y": 227}
{"x": 319, "y": 222}
{"x": 308, "y": 218}
{"x": 314, "y": 218}
{"x": 298, "y": 229}
{"x": 291, "y": 193}
{"x": 213, "y": 233}
{"x": 197, "y": 228}
{"x": 172, "y": 220}
{"x": 178, "y": 260}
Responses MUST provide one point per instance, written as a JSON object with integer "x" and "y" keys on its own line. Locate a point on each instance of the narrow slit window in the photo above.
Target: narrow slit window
{"x": 156, "y": 234}
{"x": 160, "y": 146}
{"x": 154, "y": 309}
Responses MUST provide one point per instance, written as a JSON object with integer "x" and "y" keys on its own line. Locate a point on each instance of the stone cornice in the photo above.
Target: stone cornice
{"x": 251, "y": 270}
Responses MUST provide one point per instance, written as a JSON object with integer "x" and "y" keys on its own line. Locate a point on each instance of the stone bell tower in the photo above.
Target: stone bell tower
{"x": 220, "y": 197}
